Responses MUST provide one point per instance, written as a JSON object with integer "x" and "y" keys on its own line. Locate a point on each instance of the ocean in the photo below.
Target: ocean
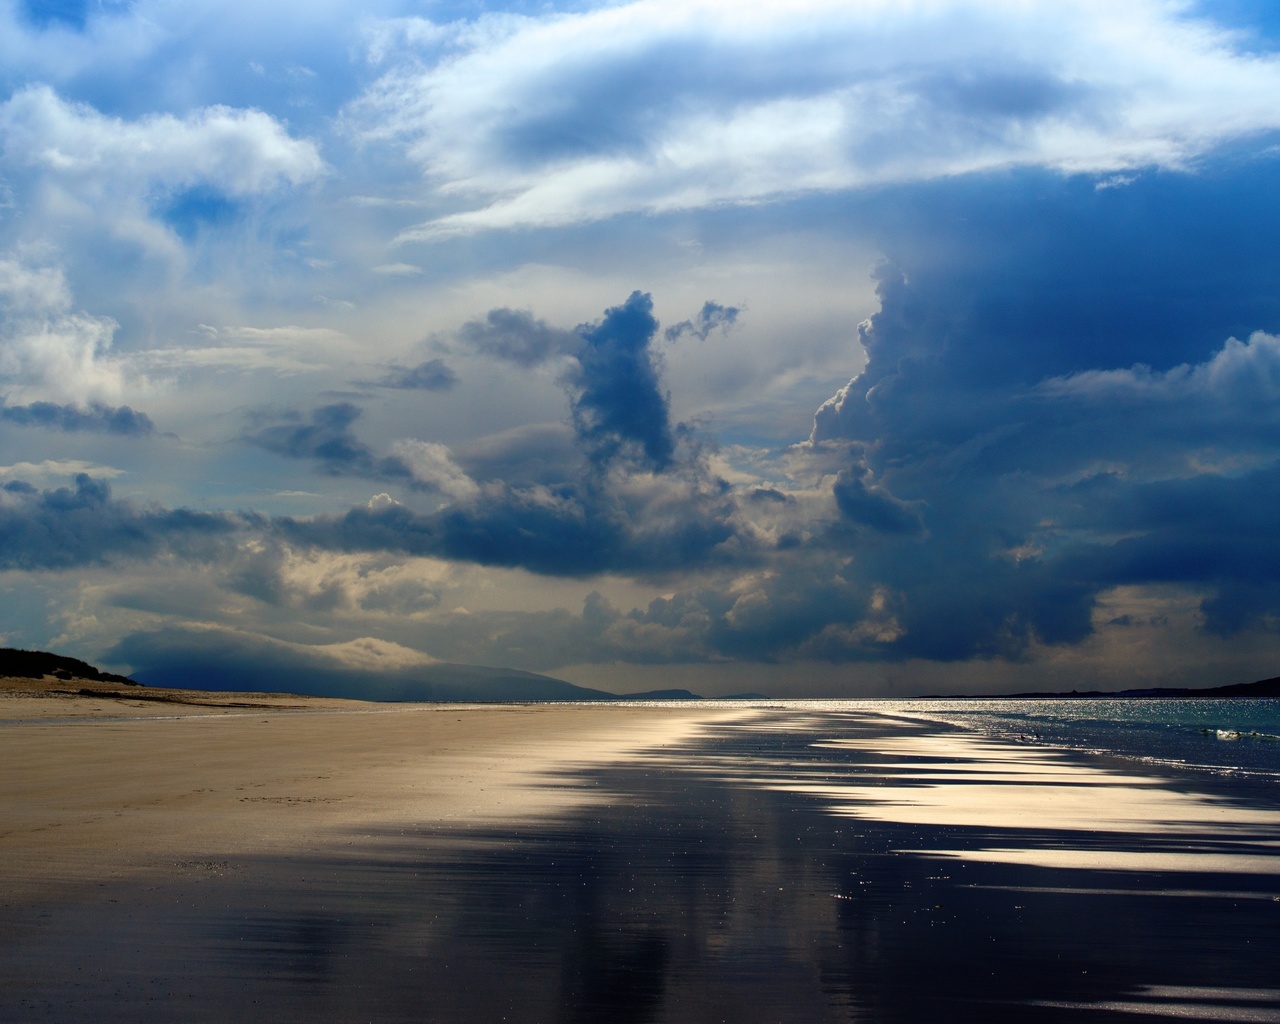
{"x": 1217, "y": 736}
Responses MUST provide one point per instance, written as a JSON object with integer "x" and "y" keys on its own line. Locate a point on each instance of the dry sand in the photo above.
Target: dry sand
{"x": 106, "y": 783}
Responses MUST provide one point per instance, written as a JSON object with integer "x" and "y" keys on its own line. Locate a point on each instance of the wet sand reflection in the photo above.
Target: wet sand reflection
{"x": 794, "y": 867}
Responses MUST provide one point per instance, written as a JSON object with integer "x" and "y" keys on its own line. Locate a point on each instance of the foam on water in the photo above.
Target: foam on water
{"x": 1236, "y": 736}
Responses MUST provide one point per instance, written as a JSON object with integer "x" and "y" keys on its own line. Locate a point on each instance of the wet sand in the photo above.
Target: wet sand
{"x": 320, "y": 860}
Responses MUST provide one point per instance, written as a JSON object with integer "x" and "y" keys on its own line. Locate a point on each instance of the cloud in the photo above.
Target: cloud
{"x": 617, "y": 406}
{"x": 83, "y": 525}
{"x": 711, "y": 317}
{"x": 284, "y": 351}
{"x": 433, "y": 375}
{"x": 240, "y": 152}
{"x": 543, "y": 454}
{"x": 1013, "y": 453}
{"x": 611, "y": 375}
{"x": 46, "y": 346}
{"x": 329, "y": 587}
{"x": 1209, "y": 529}
{"x": 631, "y": 502}
{"x": 516, "y": 336}
{"x": 642, "y": 107}
{"x": 97, "y": 418}
{"x": 1244, "y": 378}
{"x": 56, "y": 469}
{"x": 146, "y": 182}
{"x": 622, "y": 491}
{"x": 433, "y": 468}
{"x": 644, "y": 525}
{"x": 872, "y": 506}
{"x": 397, "y": 269}
{"x": 329, "y": 441}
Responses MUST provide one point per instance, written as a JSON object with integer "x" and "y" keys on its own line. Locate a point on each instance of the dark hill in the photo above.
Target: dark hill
{"x": 37, "y": 664}
{"x": 436, "y": 682}
{"x": 660, "y": 695}
{"x": 1263, "y": 689}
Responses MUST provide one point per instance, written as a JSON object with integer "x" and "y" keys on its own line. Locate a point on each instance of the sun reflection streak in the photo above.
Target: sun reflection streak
{"x": 1034, "y": 805}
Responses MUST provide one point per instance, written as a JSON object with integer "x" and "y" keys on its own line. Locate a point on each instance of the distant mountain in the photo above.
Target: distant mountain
{"x": 660, "y": 695}
{"x": 436, "y": 682}
{"x": 1263, "y": 689}
{"x": 222, "y": 666}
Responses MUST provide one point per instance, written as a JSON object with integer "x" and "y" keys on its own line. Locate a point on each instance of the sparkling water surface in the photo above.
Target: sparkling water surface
{"x": 1215, "y": 735}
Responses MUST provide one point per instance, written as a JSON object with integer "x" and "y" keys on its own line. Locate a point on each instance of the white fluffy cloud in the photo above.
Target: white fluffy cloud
{"x": 71, "y": 163}
{"x": 48, "y": 349}
{"x": 1242, "y": 376}
{"x": 238, "y": 151}
{"x": 653, "y": 106}
{"x": 432, "y": 464}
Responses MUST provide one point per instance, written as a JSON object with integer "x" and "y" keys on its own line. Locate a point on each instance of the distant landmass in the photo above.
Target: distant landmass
{"x": 439, "y": 681}
{"x": 1263, "y": 689}
{"x": 38, "y": 664}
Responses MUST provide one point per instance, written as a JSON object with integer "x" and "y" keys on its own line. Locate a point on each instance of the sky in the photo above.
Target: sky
{"x": 856, "y": 348}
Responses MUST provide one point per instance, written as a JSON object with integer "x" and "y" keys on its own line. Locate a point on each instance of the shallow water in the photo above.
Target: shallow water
{"x": 800, "y": 867}
{"x": 1221, "y": 735}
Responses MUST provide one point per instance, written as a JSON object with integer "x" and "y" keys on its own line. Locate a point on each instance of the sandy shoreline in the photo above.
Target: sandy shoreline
{"x": 267, "y": 857}
{"x": 101, "y": 783}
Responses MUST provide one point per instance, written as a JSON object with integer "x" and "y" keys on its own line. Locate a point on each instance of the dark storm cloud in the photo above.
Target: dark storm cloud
{"x": 433, "y": 375}
{"x": 1058, "y": 400}
{"x": 1211, "y": 530}
{"x": 1037, "y": 423}
{"x": 540, "y": 453}
{"x": 873, "y": 506}
{"x": 712, "y": 316}
{"x": 83, "y": 525}
{"x": 329, "y": 440}
{"x": 518, "y": 337}
{"x": 618, "y": 407}
{"x": 619, "y": 491}
{"x": 576, "y": 530}
{"x": 623, "y": 502}
{"x": 612, "y": 495}
{"x": 95, "y": 418}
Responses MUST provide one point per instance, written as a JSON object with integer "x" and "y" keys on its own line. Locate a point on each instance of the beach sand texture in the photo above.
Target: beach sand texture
{"x": 104, "y": 788}
{"x": 276, "y": 858}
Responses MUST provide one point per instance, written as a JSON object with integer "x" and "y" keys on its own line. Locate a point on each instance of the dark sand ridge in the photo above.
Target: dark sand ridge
{"x": 101, "y": 782}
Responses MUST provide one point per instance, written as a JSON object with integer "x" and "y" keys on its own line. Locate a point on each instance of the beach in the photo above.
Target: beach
{"x": 276, "y": 858}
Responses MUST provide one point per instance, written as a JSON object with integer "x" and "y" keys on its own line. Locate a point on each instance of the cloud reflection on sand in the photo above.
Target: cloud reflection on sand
{"x": 1096, "y": 811}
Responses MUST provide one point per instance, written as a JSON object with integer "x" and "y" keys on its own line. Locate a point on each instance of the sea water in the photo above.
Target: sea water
{"x": 1223, "y": 737}
{"x": 1218, "y": 736}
